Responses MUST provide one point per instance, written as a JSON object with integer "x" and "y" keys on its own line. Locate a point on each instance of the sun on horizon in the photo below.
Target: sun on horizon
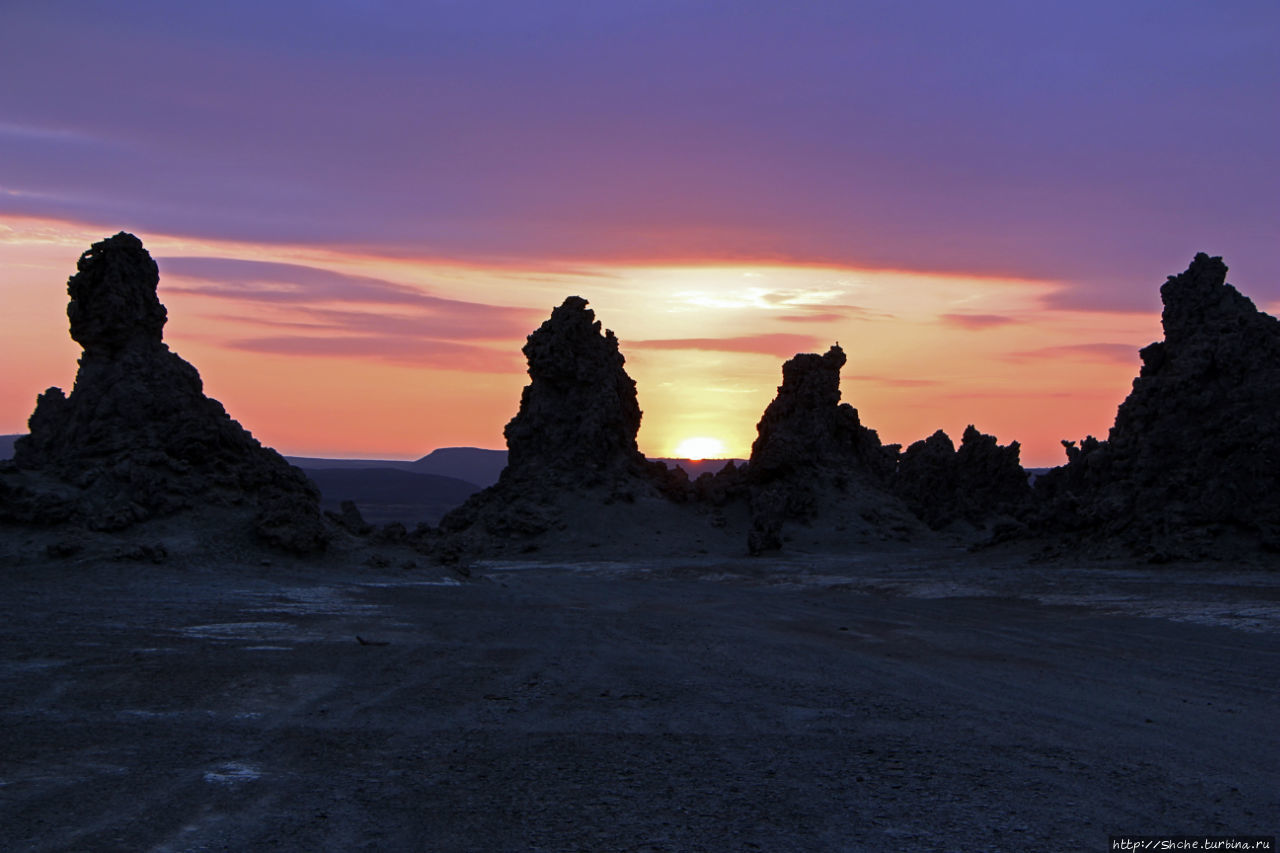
{"x": 344, "y": 356}
{"x": 698, "y": 448}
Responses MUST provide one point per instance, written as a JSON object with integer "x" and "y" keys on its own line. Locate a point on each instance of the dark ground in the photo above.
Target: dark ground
{"x": 896, "y": 702}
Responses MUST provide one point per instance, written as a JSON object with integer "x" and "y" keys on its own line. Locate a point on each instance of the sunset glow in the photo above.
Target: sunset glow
{"x": 358, "y": 221}
{"x": 632, "y": 425}
{"x": 321, "y": 353}
{"x": 699, "y": 448}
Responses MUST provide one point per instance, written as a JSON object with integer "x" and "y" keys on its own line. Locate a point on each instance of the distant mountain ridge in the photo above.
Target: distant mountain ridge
{"x": 413, "y": 490}
{"x": 473, "y": 464}
{"x": 416, "y": 490}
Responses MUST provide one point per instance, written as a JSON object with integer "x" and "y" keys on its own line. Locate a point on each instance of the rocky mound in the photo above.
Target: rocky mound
{"x": 137, "y": 438}
{"x": 813, "y": 463}
{"x": 975, "y": 483}
{"x": 1191, "y": 467}
{"x": 574, "y": 472}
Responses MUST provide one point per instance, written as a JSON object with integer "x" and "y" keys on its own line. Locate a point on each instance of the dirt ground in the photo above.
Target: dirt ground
{"x": 891, "y": 701}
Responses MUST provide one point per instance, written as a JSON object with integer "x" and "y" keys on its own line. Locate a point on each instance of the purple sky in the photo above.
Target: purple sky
{"x": 1097, "y": 144}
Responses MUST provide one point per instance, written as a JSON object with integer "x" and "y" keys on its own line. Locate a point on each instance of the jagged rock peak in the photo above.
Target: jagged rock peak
{"x": 113, "y": 296}
{"x": 813, "y": 379}
{"x": 807, "y": 426}
{"x": 812, "y": 457}
{"x": 1200, "y": 300}
{"x": 991, "y": 477}
{"x": 926, "y": 479}
{"x": 974, "y": 482}
{"x": 137, "y": 438}
{"x": 574, "y": 473}
{"x": 809, "y": 382}
{"x": 579, "y": 410}
{"x": 1191, "y": 464}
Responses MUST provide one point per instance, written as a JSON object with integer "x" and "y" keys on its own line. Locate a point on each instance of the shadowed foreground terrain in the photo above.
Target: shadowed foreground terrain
{"x": 897, "y": 701}
{"x": 197, "y": 659}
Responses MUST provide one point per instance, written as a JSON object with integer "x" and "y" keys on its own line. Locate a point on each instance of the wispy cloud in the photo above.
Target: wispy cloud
{"x": 1109, "y": 293}
{"x": 403, "y": 324}
{"x": 398, "y": 350}
{"x": 1029, "y": 394}
{"x": 1112, "y": 353}
{"x": 822, "y": 317}
{"x": 524, "y": 172}
{"x": 977, "y": 321}
{"x": 480, "y": 324}
{"x": 894, "y": 382}
{"x": 45, "y": 134}
{"x": 267, "y": 281}
{"x": 780, "y": 344}
{"x": 801, "y": 297}
{"x": 829, "y": 313}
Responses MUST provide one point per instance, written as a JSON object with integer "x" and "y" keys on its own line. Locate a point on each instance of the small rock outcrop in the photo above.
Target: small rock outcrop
{"x": 974, "y": 483}
{"x": 573, "y": 465}
{"x": 813, "y": 460}
{"x": 137, "y": 438}
{"x": 1191, "y": 467}
{"x": 349, "y": 519}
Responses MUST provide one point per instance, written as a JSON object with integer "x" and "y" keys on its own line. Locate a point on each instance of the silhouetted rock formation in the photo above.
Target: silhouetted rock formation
{"x": 1191, "y": 467}
{"x": 350, "y": 519}
{"x": 975, "y": 483}
{"x": 137, "y": 437}
{"x": 720, "y": 487}
{"x": 579, "y": 413}
{"x": 813, "y": 458}
{"x": 571, "y": 446}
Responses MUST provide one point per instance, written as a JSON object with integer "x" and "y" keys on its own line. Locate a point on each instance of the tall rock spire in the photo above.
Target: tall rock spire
{"x": 579, "y": 410}
{"x": 575, "y": 477}
{"x": 1193, "y": 459}
{"x": 137, "y": 437}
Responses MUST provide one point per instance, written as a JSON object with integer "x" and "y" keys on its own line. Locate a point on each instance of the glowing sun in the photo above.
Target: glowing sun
{"x": 699, "y": 448}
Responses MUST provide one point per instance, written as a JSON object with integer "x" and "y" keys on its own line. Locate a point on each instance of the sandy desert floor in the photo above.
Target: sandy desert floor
{"x": 896, "y": 701}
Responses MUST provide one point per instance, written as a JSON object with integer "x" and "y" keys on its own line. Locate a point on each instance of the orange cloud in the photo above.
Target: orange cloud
{"x": 781, "y": 344}
{"x": 322, "y": 352}
{"x": 977, "y": 321}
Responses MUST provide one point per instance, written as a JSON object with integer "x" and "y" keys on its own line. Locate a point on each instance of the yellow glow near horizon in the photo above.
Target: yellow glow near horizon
{"x": 699, "y": 448}
{"x": 705, "y": 345}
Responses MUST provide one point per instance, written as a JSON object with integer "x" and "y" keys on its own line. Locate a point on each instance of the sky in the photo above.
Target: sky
{"x": 360, "y": 209}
